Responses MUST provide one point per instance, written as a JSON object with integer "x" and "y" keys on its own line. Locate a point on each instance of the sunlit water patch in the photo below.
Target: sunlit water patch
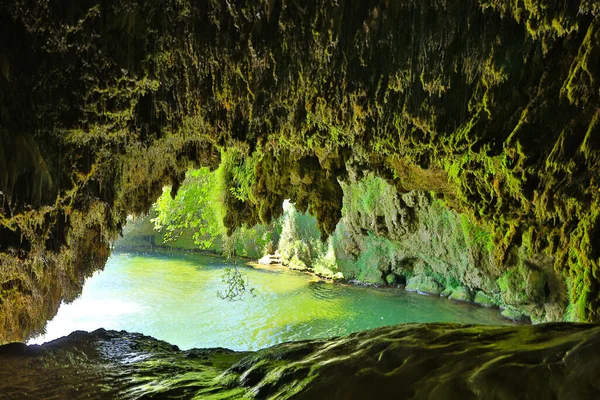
{"x": 174, "y": 298}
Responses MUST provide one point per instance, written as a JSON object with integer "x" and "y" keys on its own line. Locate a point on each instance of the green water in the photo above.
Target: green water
{"x": 173, "y": 298}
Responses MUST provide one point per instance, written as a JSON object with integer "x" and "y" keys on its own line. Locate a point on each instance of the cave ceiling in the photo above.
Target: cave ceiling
{"x": 492, "y": 105}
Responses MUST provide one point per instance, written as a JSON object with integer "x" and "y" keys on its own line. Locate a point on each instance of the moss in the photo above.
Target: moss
{"x": 485, "y": 300}
{"x": 475, "y": 235}
{"x": 583, "y": 72}
{"x": 392, "y": 279}
{"x": 450, "y": 354}
{"x": 514, "y": 315}
{"x": 460, "y": 294}
{"x": 414, "y": 234}
{"x": 423, "y": 284}
{"x": 491, "y": 104}
{"x": 325, "y": 264}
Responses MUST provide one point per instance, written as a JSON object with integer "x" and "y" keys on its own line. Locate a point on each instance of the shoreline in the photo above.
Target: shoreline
{"x": 278, "y": 267}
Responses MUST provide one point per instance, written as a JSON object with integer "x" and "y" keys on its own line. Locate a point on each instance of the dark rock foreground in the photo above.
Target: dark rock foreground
{"x": 435, "y": 361}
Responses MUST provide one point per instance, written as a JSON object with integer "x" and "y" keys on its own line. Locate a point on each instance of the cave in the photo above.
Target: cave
{"x": 482, "y": 112}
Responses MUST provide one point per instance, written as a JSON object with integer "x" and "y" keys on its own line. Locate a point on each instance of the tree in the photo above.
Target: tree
{"x": 197, "y": 208}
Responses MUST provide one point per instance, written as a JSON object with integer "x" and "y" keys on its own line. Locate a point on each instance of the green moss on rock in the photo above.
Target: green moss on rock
{"x": 460, "y": 294}
{"x": 449, "y": 360}
{"x": 423, "y": 284}
{"x": 492, "y": 105}
{"x": 514, "y": 315}
{"x": 484, "y": 300}
{"x": 392, "y": 279}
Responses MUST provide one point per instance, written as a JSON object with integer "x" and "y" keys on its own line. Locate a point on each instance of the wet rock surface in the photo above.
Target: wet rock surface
{"x": 109, "y": 364}
{"x": 404, "y": 361}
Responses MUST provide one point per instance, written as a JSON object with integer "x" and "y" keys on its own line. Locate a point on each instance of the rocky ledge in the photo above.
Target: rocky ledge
{"x": 431, "y": 361}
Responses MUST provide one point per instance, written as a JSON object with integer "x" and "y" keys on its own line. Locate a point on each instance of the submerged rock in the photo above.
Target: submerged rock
{"x": 404, "y": 361}
{"x": 270, "y": 259}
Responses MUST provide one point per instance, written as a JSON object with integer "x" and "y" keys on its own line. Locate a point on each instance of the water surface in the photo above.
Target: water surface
{"x": 173, "y": 297}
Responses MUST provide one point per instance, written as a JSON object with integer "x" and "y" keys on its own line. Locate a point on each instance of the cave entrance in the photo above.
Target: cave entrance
{"x": 173, "y": 275}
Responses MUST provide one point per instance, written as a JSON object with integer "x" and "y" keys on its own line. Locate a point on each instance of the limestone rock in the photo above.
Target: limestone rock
{"x": 491, "y": 105}
{"x": 420, "y": 361}
{"x": 484, "y": 300}
{"x": 423, "y": 284}
{"x": 460, "y": 294}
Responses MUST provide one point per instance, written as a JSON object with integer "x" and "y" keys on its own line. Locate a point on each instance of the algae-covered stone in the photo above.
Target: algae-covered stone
{"x": 484, "y": 300}
{"x": 391, "y": 279}
{"x": 522, "y": 285}
{"x": 460, "y": 294}
{"x": 423, "y": 284}
{"x": 548, "y": 361}
{"x": 514, "y": 315}
{"x": 447, "y": 292}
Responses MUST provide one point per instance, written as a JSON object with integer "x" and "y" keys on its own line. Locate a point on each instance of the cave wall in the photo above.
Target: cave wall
{"x": 387, "y": 238}
{"x": 492, "y": 105}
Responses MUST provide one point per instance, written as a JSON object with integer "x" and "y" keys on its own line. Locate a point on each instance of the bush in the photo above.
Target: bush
{"x": 198, "y": 210}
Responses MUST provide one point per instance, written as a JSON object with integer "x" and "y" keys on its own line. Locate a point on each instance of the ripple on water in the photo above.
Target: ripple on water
{"x": 322, "y": 290}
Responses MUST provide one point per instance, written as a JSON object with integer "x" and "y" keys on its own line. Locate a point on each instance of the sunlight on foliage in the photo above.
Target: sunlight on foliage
{"x": 196, "y": 207}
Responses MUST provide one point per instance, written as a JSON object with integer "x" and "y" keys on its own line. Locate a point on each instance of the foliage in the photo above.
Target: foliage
{"x": 326, "y": 263}
{"x": 237, "y": 285}
{"x": 300, "y": 245}
{"x": 198, "y": 210}
{"x": 252, "y": 242}
{"x": 238, "y": 173}
{"x": 196, "y": 207}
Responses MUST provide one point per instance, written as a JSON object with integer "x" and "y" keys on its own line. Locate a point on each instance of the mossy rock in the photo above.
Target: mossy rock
{"x": 423, "y": 284}
{"x": 391, "y": 279}
{"x": 514, "y": 315}
{"x": 484, "y": 300}
{"x": 460, "y": 294}
{"x": 447, "y": 292}
{"x": 507, "y": 362}
{"x": 328, "y": 274}
{"x": 370, "y": 276}
{"x": 522, "y": 285}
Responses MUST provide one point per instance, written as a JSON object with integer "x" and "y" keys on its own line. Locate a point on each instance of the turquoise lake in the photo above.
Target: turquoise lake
{"x": 173, "y": 297}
